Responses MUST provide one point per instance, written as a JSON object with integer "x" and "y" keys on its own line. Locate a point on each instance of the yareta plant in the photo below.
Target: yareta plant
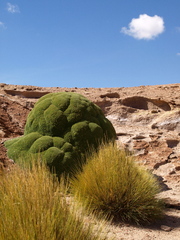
{"x": 60, "y": 129}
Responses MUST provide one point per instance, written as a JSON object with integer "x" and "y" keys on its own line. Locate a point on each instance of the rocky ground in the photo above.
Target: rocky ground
{"x": 147, "y": 122}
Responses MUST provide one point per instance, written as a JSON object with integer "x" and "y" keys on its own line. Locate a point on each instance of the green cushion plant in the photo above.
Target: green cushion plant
{"x": 60, "y": 129}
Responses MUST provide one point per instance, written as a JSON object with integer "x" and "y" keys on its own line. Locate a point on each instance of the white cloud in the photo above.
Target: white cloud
{"x": 145, "y": 27}
{"x": 2, "y": 24}
{"x": 12, "y": 8}
{"x": 178, "y": 54}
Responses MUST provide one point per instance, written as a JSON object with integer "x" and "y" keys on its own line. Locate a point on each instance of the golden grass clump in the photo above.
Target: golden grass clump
{"x": 35, "y": 206}
{"x": 115, "y": 185}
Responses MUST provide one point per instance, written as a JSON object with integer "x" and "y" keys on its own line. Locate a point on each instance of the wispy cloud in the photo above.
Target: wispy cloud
{"x": 2, "y": 25}
{"x": 178, "y": 54}
{"x": 12, "y": 8}
{"x": 145, "y": 27}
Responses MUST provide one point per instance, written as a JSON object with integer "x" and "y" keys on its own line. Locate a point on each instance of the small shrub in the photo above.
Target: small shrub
{"x": 35, "y": 206}
{"x": 116, "y": 186}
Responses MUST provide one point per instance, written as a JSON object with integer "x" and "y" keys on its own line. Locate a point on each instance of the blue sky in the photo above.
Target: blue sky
{"x": 89, "y": 43}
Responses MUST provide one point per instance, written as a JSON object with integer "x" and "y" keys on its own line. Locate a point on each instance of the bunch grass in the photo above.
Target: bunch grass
{"x": 34, "y": 205}
{"x": 115, "y": 185}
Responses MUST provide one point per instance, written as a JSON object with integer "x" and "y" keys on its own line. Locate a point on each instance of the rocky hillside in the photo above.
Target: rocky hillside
{"x": 146, "y": 119}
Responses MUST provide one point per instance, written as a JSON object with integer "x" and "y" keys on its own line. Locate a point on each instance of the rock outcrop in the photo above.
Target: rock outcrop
{"x": 146, "y": 119}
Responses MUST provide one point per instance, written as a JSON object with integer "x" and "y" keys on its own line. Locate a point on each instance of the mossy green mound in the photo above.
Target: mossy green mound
{"x": 60, "y": 129}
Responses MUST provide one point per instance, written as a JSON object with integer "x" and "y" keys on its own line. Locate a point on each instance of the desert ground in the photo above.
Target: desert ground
{"x": 147, "y": 122}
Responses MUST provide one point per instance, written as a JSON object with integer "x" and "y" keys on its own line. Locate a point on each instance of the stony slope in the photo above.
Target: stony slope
{"x": 146, "y": 119}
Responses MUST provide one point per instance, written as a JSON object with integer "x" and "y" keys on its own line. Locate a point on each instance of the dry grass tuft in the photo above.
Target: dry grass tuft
{"x": 115, "y": 185}
{"x": 34, "y": 206}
